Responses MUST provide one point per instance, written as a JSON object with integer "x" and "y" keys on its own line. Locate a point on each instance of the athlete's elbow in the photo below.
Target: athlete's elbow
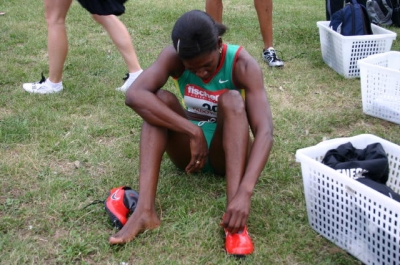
{"x": 267, "y": 133}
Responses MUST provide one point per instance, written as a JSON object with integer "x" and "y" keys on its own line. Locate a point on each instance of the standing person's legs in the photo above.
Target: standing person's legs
{"x": 333, "y": 6}
{"x": 57, "y": 41}
{"x": 214, "y": 8}
{"x": 57, "y": 45}
{"x": 122, "y": 40}
{"x": 327, "y": 10}
{"x": 264, "y": 14}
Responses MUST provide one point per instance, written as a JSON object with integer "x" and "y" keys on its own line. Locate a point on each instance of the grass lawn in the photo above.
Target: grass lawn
{"x": 59, "y": 153}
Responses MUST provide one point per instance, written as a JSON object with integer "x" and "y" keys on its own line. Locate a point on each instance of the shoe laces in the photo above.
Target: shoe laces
{"x": 271, "y": 55}
{"x": 126, "y": 77}
{"x": 43, "y": 79}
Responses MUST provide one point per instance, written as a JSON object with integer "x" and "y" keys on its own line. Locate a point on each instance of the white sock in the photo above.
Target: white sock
{"x": 53, "y": 85}
{"x": 128, "y": 82}
{"x": 134, "y": 75}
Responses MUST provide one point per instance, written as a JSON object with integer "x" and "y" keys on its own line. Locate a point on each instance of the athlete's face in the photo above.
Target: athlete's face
{"x": 203, "y": 65}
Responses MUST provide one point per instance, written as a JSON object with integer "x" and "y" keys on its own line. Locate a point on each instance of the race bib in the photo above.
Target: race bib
{"x": 201, "y": 101}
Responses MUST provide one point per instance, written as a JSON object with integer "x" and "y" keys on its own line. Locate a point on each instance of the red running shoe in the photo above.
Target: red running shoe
{"x": 238, "y": 244}
{"x": 120, "y": 202}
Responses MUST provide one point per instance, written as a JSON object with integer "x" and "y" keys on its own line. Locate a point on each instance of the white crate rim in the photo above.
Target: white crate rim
{"x": 385, "y": 32}
{"x": 368, "y": 61}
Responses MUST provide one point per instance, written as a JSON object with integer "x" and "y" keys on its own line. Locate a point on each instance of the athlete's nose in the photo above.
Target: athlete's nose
{"x": 202, "y": 74}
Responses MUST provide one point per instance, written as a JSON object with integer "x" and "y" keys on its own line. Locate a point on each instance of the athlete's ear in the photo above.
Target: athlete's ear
{"x": 219, "y": 43}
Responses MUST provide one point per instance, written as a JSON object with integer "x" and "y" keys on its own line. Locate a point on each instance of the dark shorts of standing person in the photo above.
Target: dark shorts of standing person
{"x": 104, "y": 7}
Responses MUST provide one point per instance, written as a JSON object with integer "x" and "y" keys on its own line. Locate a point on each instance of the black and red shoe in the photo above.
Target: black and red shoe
{"x": 120, "y": 203}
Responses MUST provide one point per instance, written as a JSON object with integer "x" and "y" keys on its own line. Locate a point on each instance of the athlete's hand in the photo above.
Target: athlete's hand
{"x": 237, "y": 212}
{"x": 199, "y": 153}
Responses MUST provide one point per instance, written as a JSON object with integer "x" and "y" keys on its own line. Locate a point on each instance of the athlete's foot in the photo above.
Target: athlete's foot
{"x": 137, "y": 223}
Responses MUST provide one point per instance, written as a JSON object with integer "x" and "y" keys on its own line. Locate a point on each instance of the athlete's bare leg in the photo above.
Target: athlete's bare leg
{"x": 154, "y": 141}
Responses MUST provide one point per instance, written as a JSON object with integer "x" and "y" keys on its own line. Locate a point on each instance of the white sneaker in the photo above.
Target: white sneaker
{"x": 129, "y": 79}
{"x": 41, "y": 87}
{"x": 270, "y": 57}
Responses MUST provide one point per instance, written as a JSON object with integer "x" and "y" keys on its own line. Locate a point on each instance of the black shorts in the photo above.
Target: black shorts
{"x": 104, "y": 7}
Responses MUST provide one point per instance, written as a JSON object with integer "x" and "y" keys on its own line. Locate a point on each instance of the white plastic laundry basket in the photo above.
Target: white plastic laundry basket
{"x": 341, "y": 53}
{"x": 355, "y": 217}
{"x": 380, "y": 85}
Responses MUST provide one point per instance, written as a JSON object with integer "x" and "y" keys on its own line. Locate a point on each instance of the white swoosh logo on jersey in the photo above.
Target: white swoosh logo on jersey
{"x": 223, "y": 81}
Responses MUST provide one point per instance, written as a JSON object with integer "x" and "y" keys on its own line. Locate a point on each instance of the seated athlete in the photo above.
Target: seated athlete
{"x": 223, "y": 97}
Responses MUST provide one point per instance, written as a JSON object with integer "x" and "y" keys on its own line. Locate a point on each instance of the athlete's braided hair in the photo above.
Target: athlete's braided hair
{"x": 194, "y": 33}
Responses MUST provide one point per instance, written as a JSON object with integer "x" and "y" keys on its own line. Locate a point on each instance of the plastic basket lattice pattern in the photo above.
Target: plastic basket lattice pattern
{"x": 380, "y": 85}
{"x": 341, "y": 53}
{"x": 355, "y": 217}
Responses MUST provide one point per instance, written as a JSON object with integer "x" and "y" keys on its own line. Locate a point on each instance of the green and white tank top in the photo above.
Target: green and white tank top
{"x": 201, "y": 96}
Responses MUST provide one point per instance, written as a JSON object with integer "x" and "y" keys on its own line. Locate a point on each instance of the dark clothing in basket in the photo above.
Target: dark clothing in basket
{"x": 382, "y": 188}
{"x": 371, "y": 160}
{"x": 368, "y": 166}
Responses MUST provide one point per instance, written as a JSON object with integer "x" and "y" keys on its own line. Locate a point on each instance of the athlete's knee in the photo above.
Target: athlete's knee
{"x": 167, "y": 97}
{"x": 55, "y": 14}
{"x": 55, "y": 18}
{"x": 231, "y": 101}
